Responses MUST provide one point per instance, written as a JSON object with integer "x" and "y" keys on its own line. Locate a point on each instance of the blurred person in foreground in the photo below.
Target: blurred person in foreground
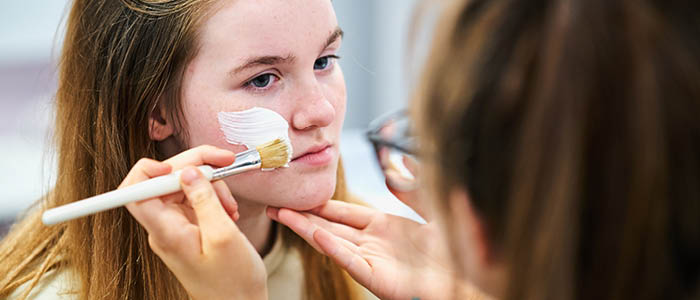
{"x": 559, "y": 155}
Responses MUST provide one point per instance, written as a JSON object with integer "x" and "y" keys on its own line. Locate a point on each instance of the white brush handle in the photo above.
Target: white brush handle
{"x": 154, "y": 187}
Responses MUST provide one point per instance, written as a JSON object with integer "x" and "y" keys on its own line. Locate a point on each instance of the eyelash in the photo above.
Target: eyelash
{"x": 331, "y": 61}
{"x": 250, "y": 86}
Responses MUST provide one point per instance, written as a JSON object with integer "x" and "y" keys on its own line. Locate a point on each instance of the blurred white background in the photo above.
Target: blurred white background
{"x": 373, "y": 57}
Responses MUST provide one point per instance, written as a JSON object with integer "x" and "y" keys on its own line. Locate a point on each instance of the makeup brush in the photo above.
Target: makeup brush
{"x": 271, "y": 155}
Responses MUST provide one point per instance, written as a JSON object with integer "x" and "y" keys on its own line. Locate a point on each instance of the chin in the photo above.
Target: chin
{"x": 288, "y": 188}
{"x": 308, "y": 194}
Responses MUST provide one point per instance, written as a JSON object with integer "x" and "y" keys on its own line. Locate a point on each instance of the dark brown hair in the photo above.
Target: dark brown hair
{"x": 575, "y": 128}
{"x": 119, "y": 59}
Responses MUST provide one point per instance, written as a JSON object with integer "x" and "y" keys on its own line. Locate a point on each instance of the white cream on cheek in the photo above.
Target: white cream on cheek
{"x": 254, "y": 127}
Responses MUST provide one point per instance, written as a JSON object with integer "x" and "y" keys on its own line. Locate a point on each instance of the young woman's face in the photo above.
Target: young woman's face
{"x": 279, "y": 55}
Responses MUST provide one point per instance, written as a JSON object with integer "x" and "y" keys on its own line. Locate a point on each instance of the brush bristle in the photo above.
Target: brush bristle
{"x": 274, "y": 154}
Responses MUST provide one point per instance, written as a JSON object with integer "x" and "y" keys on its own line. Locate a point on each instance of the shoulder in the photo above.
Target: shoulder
{"x": 286, "y": 277}
{"x": 54, "y": 285}
{"x": 285, "y": 271}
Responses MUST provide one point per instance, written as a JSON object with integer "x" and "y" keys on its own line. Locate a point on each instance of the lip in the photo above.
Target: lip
{"x": 316, "y": 155}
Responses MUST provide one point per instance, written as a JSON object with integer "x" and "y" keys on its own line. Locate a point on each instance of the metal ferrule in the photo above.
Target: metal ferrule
{"x": 245, "y": 161}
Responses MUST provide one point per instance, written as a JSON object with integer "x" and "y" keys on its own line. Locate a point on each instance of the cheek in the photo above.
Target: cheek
{"x": 309, "y": 191}
{"x": 199, "y": 111}
{"x": 337, "y": 95}
{"x": 201, "y": 107}
{"x": 284, "y": 188}
{"x": 203, "y": 128}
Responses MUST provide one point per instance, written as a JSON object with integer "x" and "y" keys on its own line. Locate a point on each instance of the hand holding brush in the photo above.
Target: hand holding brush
{"x": 271, "y": 155}
{"x": 193, "y": 231}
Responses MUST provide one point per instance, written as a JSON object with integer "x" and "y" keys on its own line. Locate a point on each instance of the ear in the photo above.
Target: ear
{"x": 468, "y": 233}
{"x": 159, "y": 128}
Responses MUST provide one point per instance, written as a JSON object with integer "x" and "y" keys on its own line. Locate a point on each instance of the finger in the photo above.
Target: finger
{"x": 145, "y": 169}
{"x": 297, "y": 223}
{"x": 395, "y": 180}
{"x": 202, "y": 155}
{"x": 305, "y": 225}
{"x": 408, "y": 194}
{"x": 147, "y": 212}
{"x": 352, "y": 215}
{"x": 173, "y": 233}
{"x": 176, "y": 198}
{"x": 349, "y": 260}
{"x": 411, "y": 164}
{"x": 163, "y": 222}
{"x": 272, "y": 212}
{"x": 215, "y": 225}
{"x": 343, "y": 231}
{"x": 227, "y": 200}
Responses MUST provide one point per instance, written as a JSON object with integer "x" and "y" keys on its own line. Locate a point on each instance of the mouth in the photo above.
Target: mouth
{"x": 316, "y": 155}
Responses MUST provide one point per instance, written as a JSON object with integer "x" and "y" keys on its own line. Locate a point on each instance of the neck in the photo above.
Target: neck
{"x": 256, "y": 226}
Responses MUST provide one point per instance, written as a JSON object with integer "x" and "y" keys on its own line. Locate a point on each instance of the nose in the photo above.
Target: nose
{"x": 313, "y": 108}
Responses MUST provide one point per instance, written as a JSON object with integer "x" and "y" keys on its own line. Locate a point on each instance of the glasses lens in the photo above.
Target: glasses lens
{"x": 394, "y": 144}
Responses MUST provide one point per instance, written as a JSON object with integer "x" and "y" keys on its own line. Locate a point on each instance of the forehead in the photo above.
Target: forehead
{"x": 270, "y": 25}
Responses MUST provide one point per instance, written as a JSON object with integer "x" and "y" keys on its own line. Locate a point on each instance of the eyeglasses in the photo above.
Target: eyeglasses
{"x": 395, "y": 145}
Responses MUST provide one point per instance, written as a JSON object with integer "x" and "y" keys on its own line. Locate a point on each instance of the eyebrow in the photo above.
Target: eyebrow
{"x": 274, "y": 60}
{"x": 263, "y": 60}
{"x": 335, "y": 35}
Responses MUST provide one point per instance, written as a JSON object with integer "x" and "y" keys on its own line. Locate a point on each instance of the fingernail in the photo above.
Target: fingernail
{"x": 236, "y": 216}
{"x": 271, "y": 213}
{"x": 189, "y": 175}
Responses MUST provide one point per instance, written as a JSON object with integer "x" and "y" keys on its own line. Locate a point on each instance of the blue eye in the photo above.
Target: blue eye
{"x": 261, "y": 81}
{"x": 324, "y": 62}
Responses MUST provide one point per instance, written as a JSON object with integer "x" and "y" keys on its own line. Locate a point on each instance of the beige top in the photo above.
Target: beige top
{"x": 285, "y": 278}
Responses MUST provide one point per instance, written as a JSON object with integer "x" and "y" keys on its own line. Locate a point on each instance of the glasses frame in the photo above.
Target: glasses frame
{"x": 379, "y": 123}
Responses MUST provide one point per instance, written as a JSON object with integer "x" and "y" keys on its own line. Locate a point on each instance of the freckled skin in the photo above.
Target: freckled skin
{"x": 312, "y": 101}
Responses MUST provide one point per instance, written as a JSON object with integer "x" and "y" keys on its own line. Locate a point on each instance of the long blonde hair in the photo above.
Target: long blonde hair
{"x": 119, "y": 58}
